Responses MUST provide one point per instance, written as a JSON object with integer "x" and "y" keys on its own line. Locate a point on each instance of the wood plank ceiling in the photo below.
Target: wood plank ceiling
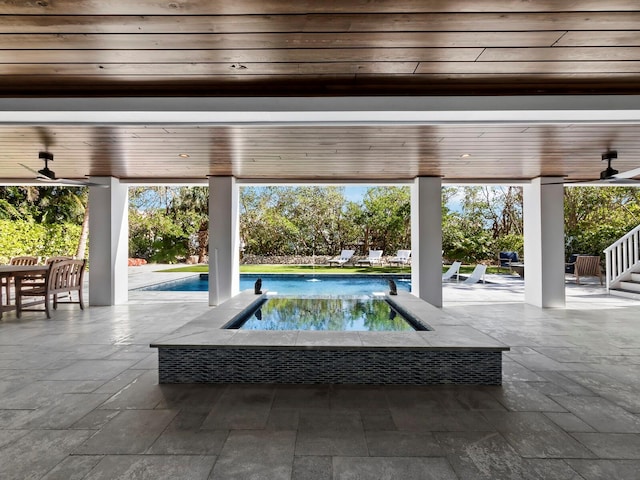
{"x": 96, "y": 48}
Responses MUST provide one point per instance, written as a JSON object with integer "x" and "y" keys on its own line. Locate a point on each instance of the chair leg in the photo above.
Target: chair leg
{"x": 80, "y": 301}
{"x": 46, "y": 306}
{"x": 18, "y": 304}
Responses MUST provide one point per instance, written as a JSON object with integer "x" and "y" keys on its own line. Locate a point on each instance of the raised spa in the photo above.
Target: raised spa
{"x": 361, "y": 314}
{"x": 453, "y": 352}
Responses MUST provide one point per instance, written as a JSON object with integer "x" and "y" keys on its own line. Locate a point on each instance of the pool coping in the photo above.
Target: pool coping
{"x": 449, "y": 333}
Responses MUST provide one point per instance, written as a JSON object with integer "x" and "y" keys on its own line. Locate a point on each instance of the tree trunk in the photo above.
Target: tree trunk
{"x": 203, "y": 244}
{"x": 84, "y": 234}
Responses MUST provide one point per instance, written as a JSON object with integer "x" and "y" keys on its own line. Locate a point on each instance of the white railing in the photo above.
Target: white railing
{"x": 622, "y": 257}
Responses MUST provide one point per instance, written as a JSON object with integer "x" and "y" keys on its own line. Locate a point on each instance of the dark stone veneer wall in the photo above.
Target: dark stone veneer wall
{"x": 325, "y": 366}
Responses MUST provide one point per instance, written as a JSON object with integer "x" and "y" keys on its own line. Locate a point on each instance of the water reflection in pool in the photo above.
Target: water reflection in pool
{"x": 331, "y": 314}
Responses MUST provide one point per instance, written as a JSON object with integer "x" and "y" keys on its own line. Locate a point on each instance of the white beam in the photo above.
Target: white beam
{"x": 322, "y": 110}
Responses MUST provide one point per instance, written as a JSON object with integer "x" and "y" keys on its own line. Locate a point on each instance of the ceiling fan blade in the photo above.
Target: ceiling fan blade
{"x": 622, "y": 181}
{"x": 628, "y": 174}
{"x": 35, "y": 172}
{"x": 80, "y": 183}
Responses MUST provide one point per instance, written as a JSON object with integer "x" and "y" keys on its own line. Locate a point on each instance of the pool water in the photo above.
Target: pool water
{"x": 300, "y": 285}
{"x": 330, "y": 314}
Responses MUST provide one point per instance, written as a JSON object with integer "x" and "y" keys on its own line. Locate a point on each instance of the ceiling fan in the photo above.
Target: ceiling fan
{"x": 611, "y": 176}
{"x": 47, "y": 175}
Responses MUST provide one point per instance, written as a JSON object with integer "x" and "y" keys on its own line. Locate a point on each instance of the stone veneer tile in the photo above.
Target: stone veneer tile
{"x": 336, "y": 365}
{"x": 264, "y": 454}
{"x": 34, "y": 454}
{"x": 73, "y": 467}
{"x": 622, "y": 446}
{"x": 338, "y": 339}
{"x": 533, "y": 435}
{"x": 270, "y": 338}
{"x": 600, "y": 413}
{"x": 606, "y": 469}
{"x": 241, "y": 407}
{"x": 397, "y": 467}
{"x": 312, "y": 468}
{"x": 131, "y": 432}
{"x": 156, "y": 467}
{"x": 402, "y": 444}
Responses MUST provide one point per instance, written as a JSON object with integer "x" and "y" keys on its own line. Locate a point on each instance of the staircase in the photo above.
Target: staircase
{"x": 623, "y": 265}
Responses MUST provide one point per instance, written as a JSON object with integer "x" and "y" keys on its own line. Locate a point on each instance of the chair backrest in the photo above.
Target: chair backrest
{"x": 477, "y": 274}
{"x": 506, "y": 258}
{"x": 24, "y": 260}
{"x": 453, "y": 270}
{"x": 65, "y": 275}
{"x": 346, "y": 254}
{"x": 375, "y": 254}
{"x": 50, "y": 260}
{"x": 587, "y": 265}
{"x": 403, "y": 254}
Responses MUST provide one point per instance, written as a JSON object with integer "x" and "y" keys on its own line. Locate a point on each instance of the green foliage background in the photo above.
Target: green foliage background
{"x": 40, "y": 221}
{"x": 19, "y": 237}
{"x": 168, "y": 224}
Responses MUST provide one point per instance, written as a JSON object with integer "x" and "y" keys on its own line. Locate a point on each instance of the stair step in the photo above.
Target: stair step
{"x": 631, "y": 286}
{"x": 625, "y": 293}
{"x": 635, "y": 277}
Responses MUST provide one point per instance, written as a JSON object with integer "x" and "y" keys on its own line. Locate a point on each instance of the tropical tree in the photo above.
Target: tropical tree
{"x": 190, "y": 209}
{"x": 294, "y": 220}
{"x": 597, "y": 216}
{"x": 386, "y": 219}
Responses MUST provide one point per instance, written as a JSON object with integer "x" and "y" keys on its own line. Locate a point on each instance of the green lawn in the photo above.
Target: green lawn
{"x": 319, "y": 269}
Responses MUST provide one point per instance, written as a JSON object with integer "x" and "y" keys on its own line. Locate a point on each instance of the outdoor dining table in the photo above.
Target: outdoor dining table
{"x": 16, "y": 273}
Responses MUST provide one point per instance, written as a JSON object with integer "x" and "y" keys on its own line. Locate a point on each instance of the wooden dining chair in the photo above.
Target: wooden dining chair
{"x": 63, "y": 277}
{"x": 7, "y": 281}
{"x": 50, "y": 260}
{"x": 24, "y": 260}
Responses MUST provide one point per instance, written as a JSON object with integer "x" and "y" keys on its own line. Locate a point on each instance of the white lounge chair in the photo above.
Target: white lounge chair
{"x": 454, "y": 269}
{"x": 477, "y": 274}
{"x": 403, "y": 257}
{"x": 343, "y": 258}
{"x": 374, "y": 258}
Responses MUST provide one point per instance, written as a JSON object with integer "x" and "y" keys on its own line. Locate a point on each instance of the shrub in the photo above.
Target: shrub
{"x": 19, "y": 237}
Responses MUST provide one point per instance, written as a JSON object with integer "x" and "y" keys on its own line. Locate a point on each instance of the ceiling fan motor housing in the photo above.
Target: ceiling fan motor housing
{"x": 609, "y": 172}
{"x": 47, "y": 157}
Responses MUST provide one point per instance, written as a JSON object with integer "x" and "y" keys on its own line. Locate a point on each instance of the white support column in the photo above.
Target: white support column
{"x": 108, "y": 242}
{"x": 544, "y": 242}
{"x": 224, "y": 239}
{"x": 426, "y": 239}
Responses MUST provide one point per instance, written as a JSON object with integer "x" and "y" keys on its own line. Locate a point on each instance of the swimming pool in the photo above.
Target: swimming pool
{"x": 306, "y": 285}
{"x": 325, "y": 314}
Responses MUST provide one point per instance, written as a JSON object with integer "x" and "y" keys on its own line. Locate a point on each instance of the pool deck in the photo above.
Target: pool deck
{"x": 81, "y": 399}
{"x": 203, "y": 351}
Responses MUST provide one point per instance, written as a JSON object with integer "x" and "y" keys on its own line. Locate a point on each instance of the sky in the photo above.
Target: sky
{"x": 355, "y": 193}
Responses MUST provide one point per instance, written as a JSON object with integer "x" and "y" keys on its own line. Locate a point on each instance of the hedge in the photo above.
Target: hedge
{"x": 18, "y": 237}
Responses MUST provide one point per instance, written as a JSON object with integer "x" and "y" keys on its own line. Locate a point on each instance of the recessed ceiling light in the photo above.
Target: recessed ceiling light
{"x": 465, "y": 155}
{"x": 183, "y": 155}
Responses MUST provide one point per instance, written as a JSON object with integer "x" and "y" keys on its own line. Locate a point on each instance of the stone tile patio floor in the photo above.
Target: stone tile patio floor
{"x": 79, "y": 399}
